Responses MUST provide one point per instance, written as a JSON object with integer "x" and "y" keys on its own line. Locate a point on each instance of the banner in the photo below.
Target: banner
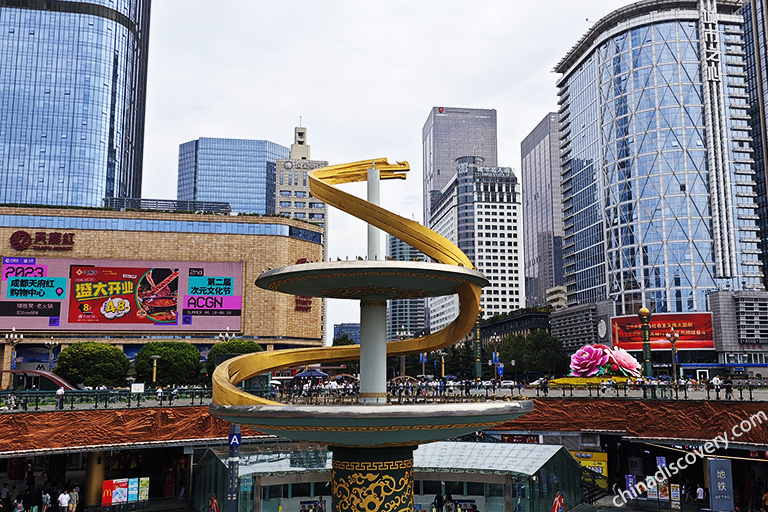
{"x": 120, "y": 295}
{"x": 695, "y": 330}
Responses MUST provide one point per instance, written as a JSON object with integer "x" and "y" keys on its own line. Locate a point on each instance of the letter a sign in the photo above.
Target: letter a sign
{"x": 234, "y": 439}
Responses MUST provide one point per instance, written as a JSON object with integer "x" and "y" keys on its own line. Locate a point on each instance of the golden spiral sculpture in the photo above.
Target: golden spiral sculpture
{"x": 322, "y": 185}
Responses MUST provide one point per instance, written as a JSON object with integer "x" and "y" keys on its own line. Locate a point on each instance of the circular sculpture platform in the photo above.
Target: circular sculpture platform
{"x": 366, "y": 426}
{"x": 362, "y": 279}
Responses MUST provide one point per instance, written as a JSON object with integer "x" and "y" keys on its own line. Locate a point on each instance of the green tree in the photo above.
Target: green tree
{"x": 93, "y": 364}
{"x": 343, "y": 340}
{"x": 179, "y": 363}
{"x": 352, "y": 366}
{"x": 538, "y": 352}
{"x": 229, "y": 347}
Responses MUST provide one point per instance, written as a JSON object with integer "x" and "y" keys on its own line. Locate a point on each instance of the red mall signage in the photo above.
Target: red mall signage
{"x": 695, "y": 330}
{"x": 303, "y": 302}
{"x": 42, "y": 241}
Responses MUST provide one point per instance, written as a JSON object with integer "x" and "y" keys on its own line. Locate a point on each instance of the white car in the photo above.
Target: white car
{"x": 508, "y": 384}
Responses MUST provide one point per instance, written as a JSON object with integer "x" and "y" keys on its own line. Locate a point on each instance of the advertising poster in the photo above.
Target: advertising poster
{"x": 114, "y": 492}
{"x": 144, "y": 488}
{"x": 597, "y": 462}
{"x": 133, "y": 489}
{"x": 120, "y": 295}
{"x": 630, "y": 481}
{"x": 695, "y": 330}
{"x": 675, "y": 493}
{"x": 664, "y": 490}
{"x": 653, "y": 490}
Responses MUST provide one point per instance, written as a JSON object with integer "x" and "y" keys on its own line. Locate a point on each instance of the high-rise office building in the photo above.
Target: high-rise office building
{"x": 293, "y": 198}
{"x": 352, "y": 330}
{"x": 72, "y": 99}
{"x": 657, "y": 168}
{"x": 448, "y": 134}
{"x": 404, "y": 315}
{"x": 756, "y": 48}
{"x": 479, "y": 210}
{"x": 238, "y": 171}
{"x": 542, "y": 211}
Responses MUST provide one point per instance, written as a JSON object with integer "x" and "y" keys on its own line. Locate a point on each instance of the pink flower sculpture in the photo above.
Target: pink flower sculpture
{"x": 627, "y": 364}
{"x": 588, "y": 360}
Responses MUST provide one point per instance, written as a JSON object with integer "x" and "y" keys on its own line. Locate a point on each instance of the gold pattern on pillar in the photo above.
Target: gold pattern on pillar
{"x": 381, "y": 486}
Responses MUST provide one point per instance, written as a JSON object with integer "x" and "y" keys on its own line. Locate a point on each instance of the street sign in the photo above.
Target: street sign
{"x": 235, "y": 439}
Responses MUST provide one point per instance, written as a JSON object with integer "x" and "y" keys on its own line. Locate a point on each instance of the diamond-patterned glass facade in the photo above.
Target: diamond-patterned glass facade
{"x": 657, "y": 168}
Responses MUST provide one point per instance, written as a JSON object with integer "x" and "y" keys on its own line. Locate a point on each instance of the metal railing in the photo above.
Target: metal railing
{"x": 46, "y": 401}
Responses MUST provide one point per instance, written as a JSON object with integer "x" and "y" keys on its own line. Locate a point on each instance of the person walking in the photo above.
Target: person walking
{"x": 45, "y": 500}
{"x": 74, "y": 499}
{"x": 438, "y": 502}
{"x": 728, "y": 386}
{"x": 716, "y": 383}
{"x": 63, "y": 501}
{"x": 60, "y": 398}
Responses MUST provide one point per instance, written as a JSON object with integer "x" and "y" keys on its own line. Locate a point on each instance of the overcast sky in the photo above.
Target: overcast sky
{"x": 363, "y": 76}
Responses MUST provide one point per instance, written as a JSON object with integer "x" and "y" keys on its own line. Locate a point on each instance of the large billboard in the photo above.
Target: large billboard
{"x": 120, "y": 295}
{"x": 695, "y": 330}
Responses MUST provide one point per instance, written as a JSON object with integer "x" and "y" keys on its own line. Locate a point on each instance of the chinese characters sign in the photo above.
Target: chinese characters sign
{"x": 721, "y": 484}
{"x": 695, "y": 330}
{"x": 108, "y": 295}
{"x": 42, "y": 241}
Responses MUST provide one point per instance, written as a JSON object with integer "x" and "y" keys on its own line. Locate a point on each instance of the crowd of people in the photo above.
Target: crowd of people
{"x": 33, "y": 499}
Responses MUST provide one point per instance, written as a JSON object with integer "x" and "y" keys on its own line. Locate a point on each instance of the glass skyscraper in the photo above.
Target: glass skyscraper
{"x": 450, "y": 133}
{"x": 657, "y": 163}
{"x": 756, "y": 48}
{"x": 72, "y": 99}
{"x": 238, "y": 171}
{"x": 404, "y": 315}
{"x": 542, "y": 204}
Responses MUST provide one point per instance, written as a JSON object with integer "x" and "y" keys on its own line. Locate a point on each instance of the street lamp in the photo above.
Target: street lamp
{"x": 673, "y": 336}
{"x": 51, "y": 346}
{"x": 13, "y": 339}
{"x": 442, "y": 362}
{"x": 226, "y": 336}
{"x": 402, "y": 334}
{"x": 154, "y": 358}
{"x": 645, "y": 327}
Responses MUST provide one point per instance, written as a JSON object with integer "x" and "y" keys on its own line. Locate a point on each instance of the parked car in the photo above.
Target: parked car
{"x": 508, "y": 384}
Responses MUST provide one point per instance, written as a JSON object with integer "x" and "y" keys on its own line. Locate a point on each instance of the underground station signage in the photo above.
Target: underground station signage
{"x": 110, "y": 295}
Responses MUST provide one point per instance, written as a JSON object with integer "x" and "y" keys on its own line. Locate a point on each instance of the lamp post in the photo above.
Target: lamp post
{"x": 442, "y": 362}
{"x": 154, "y": 359}
{"x": 673, "y": 336}
{"x": 51, "y": 346}
{"x": 13, "y": 339}
{"x": 645, "y": 327}
{"x": 226, "y": 336}
{"x": 401, "y": 335}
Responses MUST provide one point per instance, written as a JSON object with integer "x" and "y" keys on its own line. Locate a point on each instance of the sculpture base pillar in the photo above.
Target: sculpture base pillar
{"x": 372, "y": 479}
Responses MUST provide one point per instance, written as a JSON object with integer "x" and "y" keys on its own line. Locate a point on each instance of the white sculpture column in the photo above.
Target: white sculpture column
{"x": 373, "y": 320}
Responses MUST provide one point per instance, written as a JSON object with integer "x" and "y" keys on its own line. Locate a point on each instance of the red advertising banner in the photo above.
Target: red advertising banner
{"x": 695, "y": 330}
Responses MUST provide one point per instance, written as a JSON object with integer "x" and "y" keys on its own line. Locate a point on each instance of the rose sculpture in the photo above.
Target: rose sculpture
{"x": 597, "y": 360}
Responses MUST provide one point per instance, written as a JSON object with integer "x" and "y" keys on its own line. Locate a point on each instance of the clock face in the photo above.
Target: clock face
{"x": 601, "y": 328}
{"x": 288, "y": 165}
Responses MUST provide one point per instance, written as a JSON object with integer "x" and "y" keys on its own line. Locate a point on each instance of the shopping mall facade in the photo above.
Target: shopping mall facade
{"x": 131, "y": 277}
